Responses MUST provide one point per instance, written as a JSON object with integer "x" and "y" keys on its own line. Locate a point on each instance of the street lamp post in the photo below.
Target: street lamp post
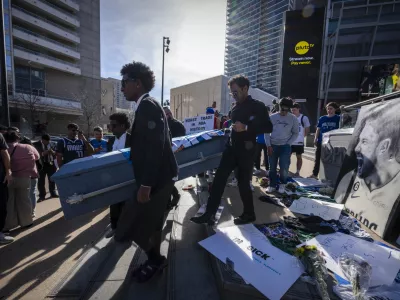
{"x": 166, "y": 42}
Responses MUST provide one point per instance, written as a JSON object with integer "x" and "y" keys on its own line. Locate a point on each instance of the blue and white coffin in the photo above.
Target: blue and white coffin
{"x": 98, "y": 181}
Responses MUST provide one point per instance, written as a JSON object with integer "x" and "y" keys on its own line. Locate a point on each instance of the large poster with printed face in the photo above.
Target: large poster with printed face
{"x": 369, "y": 181}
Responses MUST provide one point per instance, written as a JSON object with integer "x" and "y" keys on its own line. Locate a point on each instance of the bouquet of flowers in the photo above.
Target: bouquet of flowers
{"x": 315, "y": 267}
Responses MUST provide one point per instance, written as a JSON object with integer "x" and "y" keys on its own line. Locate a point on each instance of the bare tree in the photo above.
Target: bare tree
{"x": 31, "y": 106}
{"x": 91, "y": 109}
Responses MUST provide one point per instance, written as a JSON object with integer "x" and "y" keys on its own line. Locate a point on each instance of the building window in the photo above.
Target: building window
{"x": 31, "y": 81}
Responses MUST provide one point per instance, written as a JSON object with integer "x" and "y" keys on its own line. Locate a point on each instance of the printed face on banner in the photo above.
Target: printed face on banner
{"x": 372, "y": 196}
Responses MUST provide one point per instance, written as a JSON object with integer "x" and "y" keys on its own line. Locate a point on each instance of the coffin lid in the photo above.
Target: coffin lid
{"x": 92, "y": 163}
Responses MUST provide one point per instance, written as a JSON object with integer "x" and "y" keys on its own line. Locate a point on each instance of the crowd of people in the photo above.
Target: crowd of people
{"x": 253, "y": 128}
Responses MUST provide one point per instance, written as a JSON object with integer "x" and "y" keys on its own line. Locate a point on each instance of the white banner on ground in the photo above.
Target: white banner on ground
{"x": 268, "y": 269}
{"x": 385, "y": 263}
{"x": 325, "y": 210}
{"x": 199, "y": 123}
{"x": 308, "y": 182}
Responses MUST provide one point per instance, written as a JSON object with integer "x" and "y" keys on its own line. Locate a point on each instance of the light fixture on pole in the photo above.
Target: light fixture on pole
{"x": 166, "y": 43}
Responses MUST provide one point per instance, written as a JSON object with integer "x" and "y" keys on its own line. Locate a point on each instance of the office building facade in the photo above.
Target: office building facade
{"x": 254, "y": 40}
{"x": 120, "y": 100}
{"x": 53, "y": 61}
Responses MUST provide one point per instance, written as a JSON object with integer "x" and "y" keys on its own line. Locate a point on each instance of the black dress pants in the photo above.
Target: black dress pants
{"x": 143, "y": 222}
{"x": 47, "y": 170}
{"x": 317, "y": 160}
{"x": 257, "y": 157}
{"x": 241, "y": 158}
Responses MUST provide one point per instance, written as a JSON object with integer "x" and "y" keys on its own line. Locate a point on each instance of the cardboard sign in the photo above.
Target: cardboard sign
{"x": 369, "y": 180}
{"x": 385, "y": 263}
{"x": 325, "y": 210}
{"x": 199, "y": 123}
{"x": 268, "y": 269}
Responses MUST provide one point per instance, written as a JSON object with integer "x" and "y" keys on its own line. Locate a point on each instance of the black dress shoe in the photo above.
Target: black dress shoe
{"x": 54, "y": 195}
{"x": 244, "y": 219}
{"x": 205, "y": 218}
{"x": 41, "y": 199}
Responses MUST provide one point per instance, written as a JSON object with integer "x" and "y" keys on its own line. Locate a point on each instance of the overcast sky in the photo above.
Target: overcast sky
{"x": 133, "y": 30}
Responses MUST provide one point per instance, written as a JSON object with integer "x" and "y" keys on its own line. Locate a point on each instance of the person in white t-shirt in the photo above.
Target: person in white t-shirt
{"x": 304, "y": 129}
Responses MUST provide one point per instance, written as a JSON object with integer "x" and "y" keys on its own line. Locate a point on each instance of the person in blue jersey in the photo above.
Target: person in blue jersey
{"x": 74, "y": 146}
{"x": 98, "y": 143}
{"x": 326, "y": 123}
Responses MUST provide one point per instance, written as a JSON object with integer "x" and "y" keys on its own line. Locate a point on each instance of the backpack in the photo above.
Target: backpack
{"x": 301, "y": 121}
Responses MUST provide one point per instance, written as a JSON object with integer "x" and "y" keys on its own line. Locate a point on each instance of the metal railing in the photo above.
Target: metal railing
{"x": 59, "y": 9}
{"x": 46, "y": 56}
{"x": 46, "y": 20}
{"x": 370, "y": 101}
{"x": 45, "y": 38}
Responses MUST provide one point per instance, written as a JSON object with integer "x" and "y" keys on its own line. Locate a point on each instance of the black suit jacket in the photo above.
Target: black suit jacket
{"x": 176, "y": 128}
{"x": 39, "y": 147}
{"x": 153, "y": 161}
{"x": 111, "y": 142}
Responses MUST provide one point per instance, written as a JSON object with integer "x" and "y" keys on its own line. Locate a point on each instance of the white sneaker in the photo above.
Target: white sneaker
{"x": 282, "y": 188}
{"x": 110, "y": 233}
{"x": 233, "y": 183}
{"x": 5, "y": 239}
{"x": 251, "y": 186}
{"x": 270, "y": 189}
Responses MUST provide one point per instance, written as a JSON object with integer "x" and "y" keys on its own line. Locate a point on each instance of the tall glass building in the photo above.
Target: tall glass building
{"x": 254, "y": 40}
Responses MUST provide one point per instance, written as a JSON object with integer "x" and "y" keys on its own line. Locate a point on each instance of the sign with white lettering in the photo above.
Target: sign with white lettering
{"x": 385, "y": 263}
{"x": 323, "y": 209}
{"x": 198, "y": 124}
{"x": 268, "y": 269}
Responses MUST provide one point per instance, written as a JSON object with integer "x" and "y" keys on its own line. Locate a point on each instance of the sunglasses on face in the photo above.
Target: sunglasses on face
{"x": 74, "y": 130}
{"x": 125, "y": 81}
{"x": 234, "y": 94}
{"x": 113, "y": 125}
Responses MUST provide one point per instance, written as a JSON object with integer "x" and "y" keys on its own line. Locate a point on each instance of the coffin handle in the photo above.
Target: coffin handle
{"x": 76, "y": 199}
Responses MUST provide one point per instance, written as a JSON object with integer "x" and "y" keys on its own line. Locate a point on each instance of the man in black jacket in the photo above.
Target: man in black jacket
{"x": 249, "y": 118}
{"x": 177, "y": 129}
{"x": 45, "y": 167}
{"x": 154, "y": 166}
{"x": 119, "y": 124}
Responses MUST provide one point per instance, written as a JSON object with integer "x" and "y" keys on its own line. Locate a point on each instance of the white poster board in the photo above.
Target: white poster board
{"x": 198, "y": 124}
{"x": 385, "y": 263}
{"x": 325, "y": 210}
{"x": 268, "y": 269}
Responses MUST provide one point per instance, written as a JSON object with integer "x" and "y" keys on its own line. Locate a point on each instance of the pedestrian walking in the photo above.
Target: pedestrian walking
{"x": 46, "y": 167}
{"x": 155, "y": 168}
{"x": 285, "y": 132}
{"x": 250, "y": 118}
{"x": 5, "y": 179}
{"x": 304, "y": 130}
{"x": 326, "y": 123}
{"x": 23, "y": 167}
{"x": 119, "y": 125}
{"x": 177, "y": 130}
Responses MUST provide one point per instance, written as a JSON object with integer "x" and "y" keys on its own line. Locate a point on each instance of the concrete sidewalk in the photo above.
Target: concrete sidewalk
{"x": 41, "y": 255}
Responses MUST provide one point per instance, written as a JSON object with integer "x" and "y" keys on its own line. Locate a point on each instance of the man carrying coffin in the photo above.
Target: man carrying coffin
{"x": 154, "y": 166}
{"x": 249, "y": 118}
